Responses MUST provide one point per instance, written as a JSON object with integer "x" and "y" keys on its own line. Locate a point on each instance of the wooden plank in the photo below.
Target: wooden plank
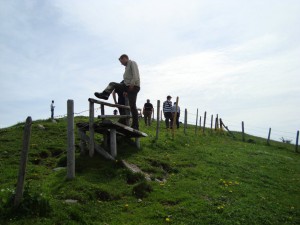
{"x": 196, "y": 128}
{"x": 269, "y": 136}
{"x": 297, "y": 141}
{"x": 114, "y": 116}
{"x": 108, "y": 104}
{"x": 243, "y": 131}
{"x": 138, "y": 143}
{"x": 121, "y": 128}
{"x": 204, "y": 122}
{"x": 113, "y": 143}
{"x": 23, "y": 163}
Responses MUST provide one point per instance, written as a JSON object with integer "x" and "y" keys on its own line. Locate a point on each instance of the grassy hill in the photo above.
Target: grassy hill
{"x": 204, "y": 179}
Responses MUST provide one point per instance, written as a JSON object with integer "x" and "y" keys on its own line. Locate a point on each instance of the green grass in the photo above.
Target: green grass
{"x": 211, "y": 178}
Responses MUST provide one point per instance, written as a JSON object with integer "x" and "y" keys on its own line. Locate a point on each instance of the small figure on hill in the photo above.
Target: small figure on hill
{"x": 130, "y": 87}
{"x": 147, "y": 111}
{"x": 52, "y": 109}
{"x": 178, "y": 114}
{"x": 167, "y": 109}
{"x": 115, "y": 112}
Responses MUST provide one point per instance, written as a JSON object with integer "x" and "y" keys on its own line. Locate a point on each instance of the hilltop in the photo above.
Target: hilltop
{"x": 208, "y": 178}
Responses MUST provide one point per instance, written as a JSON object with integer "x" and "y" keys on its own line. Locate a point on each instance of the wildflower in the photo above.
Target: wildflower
{"x": 126, "y": 205}
{"x": 168, "y": 219}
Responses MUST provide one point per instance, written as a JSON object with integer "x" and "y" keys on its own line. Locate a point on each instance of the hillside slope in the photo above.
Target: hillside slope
{"x": 203, "y": 179}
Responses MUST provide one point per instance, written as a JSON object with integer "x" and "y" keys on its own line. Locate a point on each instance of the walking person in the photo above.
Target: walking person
{"x": 147, "y": 111}
{"x": 167, "y": 108}
{"x": 130, "y": 87}
{"x": 178, "y": 114}
{"x": 52, "y": 109}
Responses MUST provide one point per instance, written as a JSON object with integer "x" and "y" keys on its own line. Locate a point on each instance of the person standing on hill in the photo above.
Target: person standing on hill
{"x": 178, "y": 114}
{"x": 167, "y": 108}
{"x": 130, "y": 87}
{"x": 52, "y": 109}
{"x": 147, "y": 111}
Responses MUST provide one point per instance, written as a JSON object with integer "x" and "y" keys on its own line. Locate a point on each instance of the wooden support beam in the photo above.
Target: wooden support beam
{"x": 91, "y": 130}
{"x": 113, "y": 142}
{"x": 71, "y": 142}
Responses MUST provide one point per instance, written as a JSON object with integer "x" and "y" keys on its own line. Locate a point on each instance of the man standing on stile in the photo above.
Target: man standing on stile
{"x": 130, "y": 87}
{"x": 167, "y": 108}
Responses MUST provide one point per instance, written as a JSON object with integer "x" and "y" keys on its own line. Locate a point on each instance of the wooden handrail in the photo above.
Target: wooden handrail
{"x": 108, "y": 104}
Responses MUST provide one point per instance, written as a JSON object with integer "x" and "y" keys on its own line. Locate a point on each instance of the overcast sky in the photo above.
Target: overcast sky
{"x": 237, "y": 58}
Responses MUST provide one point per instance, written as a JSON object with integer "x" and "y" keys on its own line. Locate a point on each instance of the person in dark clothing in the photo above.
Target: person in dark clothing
{"x": 178, "y": 114}
{"x": 121, "y": 98}
{"x": 167, "y": 108}
{"x": 147, "y": 111}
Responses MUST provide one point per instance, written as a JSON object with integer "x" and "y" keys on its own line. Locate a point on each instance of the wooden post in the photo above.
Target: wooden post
{"x": 221, "y": 125}
{"x": 158, "y": 122}
{"x": 269, "y": 136}
{"x": 137, "y": 143}
{"x": 113, "y": 142}
{"x": 243, "y": 131}
{"x": 217, "y": 122}
{"x": 23, "y": 163}
{"x": 204, "y": 122}
{"x": 91, "y": 129}
{"x": 211, "y": 122}
{"x": 71, "y": 141}
{"x": 196, "y": 128}
{"x": 185, "y": 121}
{"x": 297, "y": 141}
{"x": 175, "y": 116}
{"x": 161, "y": 117}
{"x": 200, "y": 122}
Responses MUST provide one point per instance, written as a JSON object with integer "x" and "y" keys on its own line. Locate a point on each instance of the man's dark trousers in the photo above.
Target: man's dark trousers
{"x": 132, "y": 96}
{"x": 169, "y": 119}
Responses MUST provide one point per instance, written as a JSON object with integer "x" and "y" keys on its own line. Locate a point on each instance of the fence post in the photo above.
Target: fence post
{"x": 158, "y": 122}
{"x": 175, "y": 118}
{"x": 243, "y": 131}
{"x": 23, "y": 162}
{"x": 161, "y": 117}
{"x": 269, "y": 136}
{"x": 185, "y": 121}
{"x": 196, "y": 122}
{"x": 91, "y": 129}
{"x": 200, "y": 122}
{"x": 211, "y": 122}
{"x": 297, "y": 141}
{"x": 204, "y": 122}
{"x": 221, "y": 124}
{"x": 71, "y": 141}
{"x": 217, "y": 122}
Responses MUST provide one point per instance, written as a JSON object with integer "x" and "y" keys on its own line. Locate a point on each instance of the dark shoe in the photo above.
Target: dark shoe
{"x": 102, "y": 95}
{"x": 135, "y": 127}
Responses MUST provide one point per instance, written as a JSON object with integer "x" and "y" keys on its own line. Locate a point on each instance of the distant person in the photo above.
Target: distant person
{"x": 130, "y": 87}
{"x": 147, "y": 111}
{"x": 178, "y": 114}
{"x": 115, "y": 112}
{"x": 167, "y": 108}
{"x": 52, "y": 109}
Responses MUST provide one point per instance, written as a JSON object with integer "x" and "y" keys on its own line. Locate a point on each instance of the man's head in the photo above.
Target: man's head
{"x": 169, "y": 97}
{"x": 148, "y": 101}
{"x": 124, "y": 59}
{"x": 52, "y": 101}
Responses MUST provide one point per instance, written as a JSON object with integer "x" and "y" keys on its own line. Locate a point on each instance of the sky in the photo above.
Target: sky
{"x": 235, "y": 58}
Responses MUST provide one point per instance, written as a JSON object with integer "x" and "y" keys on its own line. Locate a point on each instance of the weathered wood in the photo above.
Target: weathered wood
{"x": 204, "y": 122}
{"x": 243, "y": 131}
{"x": 114, "y": 116}
{"x": 113, "y": 142}
{"x": 297, "y": 141}
{"x": 161, "y": 117}
{"x": 227, "y": 129}
{"x": 98, "y": 148}
{"x": 102, "y": 109}
{"x": 122, "y": 128}
{"x": 82, "y": 143}
{"x": 138, "y": 143}
{"x": 269, "y": 136}
{"x": 108, "y": 104}
{"x": 71, "y": 141}
{"x": 91, "y": 130}
{"x": 185, "y": 121}
{"x": 174, "y": 119}
{"x": 23, "y": 163}
{"x": 217, "y": 122}
{"x": 200, "y": 122}
{"x": 196, "y": 128}
{"x": 221, "y": 124}
{"x": 158, "y": 122}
